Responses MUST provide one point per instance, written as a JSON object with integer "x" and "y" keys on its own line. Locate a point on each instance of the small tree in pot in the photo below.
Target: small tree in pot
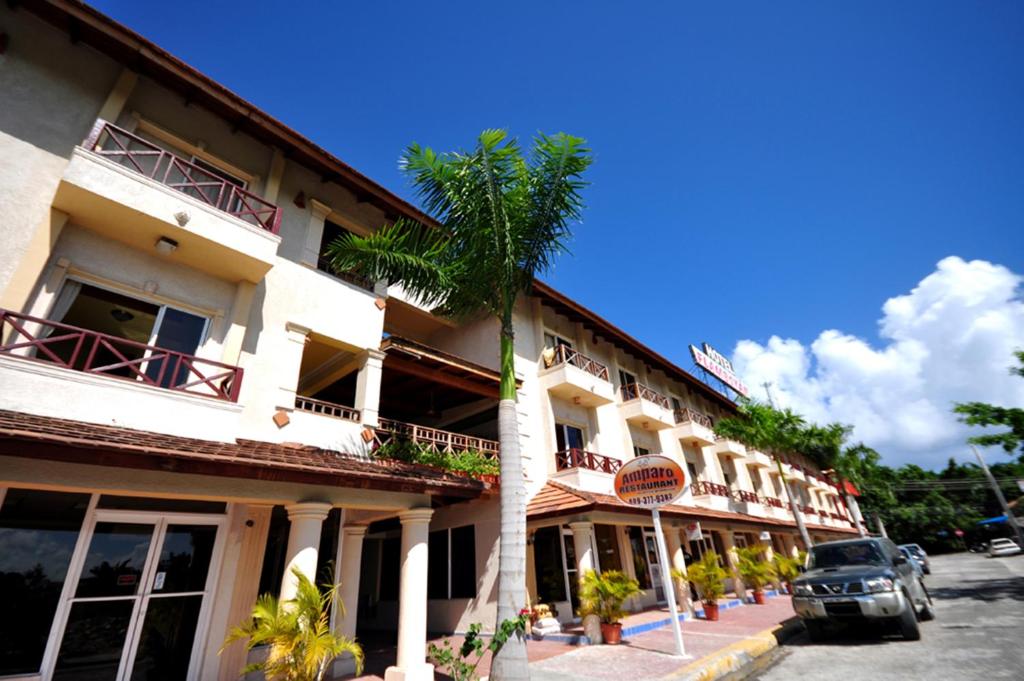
{"x": 787, "y": 568}
{"x": 755, "y": 570}
{"x": 603, "y": 594}
{"x": 709, "y": 578}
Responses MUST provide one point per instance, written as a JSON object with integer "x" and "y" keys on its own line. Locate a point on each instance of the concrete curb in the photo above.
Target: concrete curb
{"x": 741, "y": 658}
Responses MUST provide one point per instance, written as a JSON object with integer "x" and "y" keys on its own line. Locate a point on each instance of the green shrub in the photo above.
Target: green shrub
{"x": 604, "y": 593}
{"x": 709, "y": 577}
{"x": 755, "y": 570}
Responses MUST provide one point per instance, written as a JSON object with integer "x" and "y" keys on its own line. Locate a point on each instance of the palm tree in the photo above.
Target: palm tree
{"x": 852, "y": 465}
{"x": 301, "y": 644}
{"x": 773, "y": 431}
{"x": 503, "y": 218}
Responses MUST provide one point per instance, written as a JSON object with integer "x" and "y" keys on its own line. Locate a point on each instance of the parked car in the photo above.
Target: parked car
{"x": 909, "y": 555}
{"x": 920, "y": 555}
{"x": 1003, "y": 547}
{"x": 865, "y": 579}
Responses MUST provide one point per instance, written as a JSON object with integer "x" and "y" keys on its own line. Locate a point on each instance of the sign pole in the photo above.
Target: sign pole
{"x": 666, "y": 580}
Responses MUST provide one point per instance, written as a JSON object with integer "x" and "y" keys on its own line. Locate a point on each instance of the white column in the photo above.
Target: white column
{"x": 678, "y": 560}
{"x": 289, "y": 364}
{"x": 303, "y": 543}
{"x": 729, "y": 546}
{"x": 348, "y": 576}
{"x": 583, "y": 542}
{"x": 368, "y": 387}
{"x": 412, "y": 605}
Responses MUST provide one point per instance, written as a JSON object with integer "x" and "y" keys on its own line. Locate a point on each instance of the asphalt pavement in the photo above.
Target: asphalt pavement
{"x": 978, "y": 632}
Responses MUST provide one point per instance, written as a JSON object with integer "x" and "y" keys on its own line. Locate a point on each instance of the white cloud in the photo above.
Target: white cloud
{"x": 949, "y": 340}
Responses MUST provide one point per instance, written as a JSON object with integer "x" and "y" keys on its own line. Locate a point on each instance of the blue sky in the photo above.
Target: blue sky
{"x": 761, "y": 168}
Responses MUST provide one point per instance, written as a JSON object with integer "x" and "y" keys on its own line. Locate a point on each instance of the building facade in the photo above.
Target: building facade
{"x": 191, "y": 405}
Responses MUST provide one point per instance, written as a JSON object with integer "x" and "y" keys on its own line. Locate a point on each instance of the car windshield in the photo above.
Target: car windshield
{"x": 839, "y": 555}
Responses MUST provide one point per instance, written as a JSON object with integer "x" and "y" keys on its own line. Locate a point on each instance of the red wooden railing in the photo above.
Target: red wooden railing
{"x": 146, "y": 158}
{"x": 91, "y": 352}
{"x": 772, "y": 501}
{"x": 435, "y": 439}
{"x": 744, "y": 495}
{"x": 338, "y": 411}
{"x": 566, "y": 355}
{"x": 578, "y": 458}
{"x": 631, "y": 391}
{"x": 687, "y": 415}
{"x": 701, "y": 487}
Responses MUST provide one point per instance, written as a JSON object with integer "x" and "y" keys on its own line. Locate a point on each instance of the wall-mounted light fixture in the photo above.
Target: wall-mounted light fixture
{"x": 166, "y": 246}
{"x": 182, "y": 216}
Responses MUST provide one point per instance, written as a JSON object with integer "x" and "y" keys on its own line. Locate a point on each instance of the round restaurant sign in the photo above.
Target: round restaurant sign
{"x": 650, "y": 481}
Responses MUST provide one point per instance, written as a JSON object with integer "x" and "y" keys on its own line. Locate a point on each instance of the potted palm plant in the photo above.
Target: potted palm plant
{"x": 755, "y": 570}
{"x": 297, "y": 632}
{"x": 603, "y": 594}
{"x": 709, "y": 578}
{"x": 787, "y": 568}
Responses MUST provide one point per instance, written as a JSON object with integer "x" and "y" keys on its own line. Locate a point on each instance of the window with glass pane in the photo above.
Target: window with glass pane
{"x": 181, "y": 332}
{"x": 607, "y": 547}
{"x": 463, "y": 542}
{"x": 38, "y": 532}
{"x": 117, "y": 555}
{"x": 272, "y": 573}
{"x": 639, "y": 550}
{"x": 568, "y": 437}
{"x": 94, "y": 640}
{"x": 547, "y": 560}
{"x": 165, "y": 642}
{"x": 185, "y": 558}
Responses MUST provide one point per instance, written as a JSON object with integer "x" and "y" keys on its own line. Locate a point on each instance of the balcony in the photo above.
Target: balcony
{"x": 646, "y": 408}
{"x": 336, "y": 411}
{"x": 99, "y": 354}
{"x": 759, "y": 459}
{"x": 772, "y": 502}
{"x": 125, "y": 188}
{"x": 693, "y": 427}
{"x": 587, "y": 471}
{"x": 747, "y": 502}
{"x": 434, "y": 439}
{"x": 794, "y": 472}
{"x": 729, "y": 448}
{"x": 577, "y": 378}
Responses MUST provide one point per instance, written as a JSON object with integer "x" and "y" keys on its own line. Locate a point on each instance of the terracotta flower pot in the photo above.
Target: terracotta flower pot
{"x": 711, "y": 612}
{"x": 759, "y": 597}
{"x": 611, "y": 633}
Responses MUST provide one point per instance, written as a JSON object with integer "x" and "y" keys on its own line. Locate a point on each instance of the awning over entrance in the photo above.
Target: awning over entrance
{"x": 57, "y": 439}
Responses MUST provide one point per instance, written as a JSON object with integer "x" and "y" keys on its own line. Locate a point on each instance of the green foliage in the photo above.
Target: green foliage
{"x": 755, "y": 569}
{"x": 987, "y": 415}
{"x": 787, "y": 567}
{"x": 604, "y": 593}
{"x": 708, "y": 575}
{"x": 298, "y": 635}
{"x": 460, "y": 664}
{"x": 469, "y": 461}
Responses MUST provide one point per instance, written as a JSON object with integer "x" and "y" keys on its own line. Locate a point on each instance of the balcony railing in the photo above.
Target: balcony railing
{"x": 744, "y": 495}
{"x": 337, "y": 411}
{"x": 324, "y": 265}
{"x": 772, "y": 501}
{"x": 437, "y": 440}
{"x": 703, "y": 487}
{"x": 807, "y": 510}
{"x": 146, "y": 158}
{"x": 566, "y": 355}
{"x": 578, "y": 458}
{"x": 632, "y": 391}
{"x": 687, "y": 415}
{"x": 91, "y": 352}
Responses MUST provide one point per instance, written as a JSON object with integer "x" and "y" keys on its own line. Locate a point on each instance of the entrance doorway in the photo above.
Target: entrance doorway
{"x": 654, "y": 565}
{"x": 135, "y": 604}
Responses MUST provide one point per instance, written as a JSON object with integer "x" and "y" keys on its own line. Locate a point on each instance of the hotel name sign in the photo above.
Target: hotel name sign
{"x": 719, "y": 366}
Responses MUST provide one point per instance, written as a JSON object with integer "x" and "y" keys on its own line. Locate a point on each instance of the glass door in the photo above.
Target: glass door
{"x": 654, "y": 565}
{"x": 137, "y": 606}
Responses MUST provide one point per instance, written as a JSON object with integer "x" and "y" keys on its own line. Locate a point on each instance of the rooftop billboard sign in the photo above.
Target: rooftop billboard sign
{"x": 716, "y": 364}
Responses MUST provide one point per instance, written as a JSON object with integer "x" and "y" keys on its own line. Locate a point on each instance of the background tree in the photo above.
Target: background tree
{"x": 775, "y": 432}
{"x": 981, "y": 414}
{"x": 503, "y": 218}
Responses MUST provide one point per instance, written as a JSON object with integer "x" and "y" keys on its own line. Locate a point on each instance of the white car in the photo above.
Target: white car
{"x": 1003, "y": 547}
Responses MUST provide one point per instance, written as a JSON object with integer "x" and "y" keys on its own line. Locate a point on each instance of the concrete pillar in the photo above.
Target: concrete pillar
{"x": 272, "y": 187}
{"x": 238, "y": 321}
{"x": 118, "y": 96}
{"x": 318, "y": 213}
{"x": 412, "y": 605}
{"x": 583, "y": 541}
{"x": 732, "y": 564}
{"x": 368, "y": 387}
{"x": 350, "y": 562}
{"x": 677, "y": 560}
{"x": 306, "y": 518}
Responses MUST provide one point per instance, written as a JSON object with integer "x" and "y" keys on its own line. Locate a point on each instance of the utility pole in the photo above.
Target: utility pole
{"x": 1010, "y": 518}
{"x": 767, "y": 385}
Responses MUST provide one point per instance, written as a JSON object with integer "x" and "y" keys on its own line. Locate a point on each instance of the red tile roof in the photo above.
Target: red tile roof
{"x": 557, "y": 499}
{"x": 58, "y": 439}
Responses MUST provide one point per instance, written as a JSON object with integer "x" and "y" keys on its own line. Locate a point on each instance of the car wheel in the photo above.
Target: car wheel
{"x": 909, "y": 628}
{"x": 927, "y": 570}
{"x": 815, "y": 631}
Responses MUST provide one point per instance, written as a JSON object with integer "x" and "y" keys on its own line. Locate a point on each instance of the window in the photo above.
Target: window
{"x": 640, "y": 451}
{"x": 639, "y": 550}
{"x": 568, "y": 437}
{"x": 676, "y": 404}
{"x": 607, "y": 539}
{"x": 38, "y": 533}
{"x": 692, "y": 470}
{"x": 548, "y": 566}
{"x": 115, "y": 314}
{"x": 272, "y": 573}
{"x": 451, "y": 563}
{"x": 218, "y": 172}
{"x": 626, "y": 378}
{"x": 755, "y": 479}
{"x": 552, "y": 340}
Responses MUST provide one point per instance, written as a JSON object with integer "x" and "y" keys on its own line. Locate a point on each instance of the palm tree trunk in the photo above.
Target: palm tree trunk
{"x": 854, "y": 508}
{"x": 794, "y": 509}
{"x": 510, "y": 664}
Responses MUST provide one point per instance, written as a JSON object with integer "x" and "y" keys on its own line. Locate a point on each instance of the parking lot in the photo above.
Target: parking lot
{"x": 979, "y": 603}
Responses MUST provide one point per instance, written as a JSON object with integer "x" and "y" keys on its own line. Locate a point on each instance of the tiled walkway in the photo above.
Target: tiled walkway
{"x": 647, "y": 655}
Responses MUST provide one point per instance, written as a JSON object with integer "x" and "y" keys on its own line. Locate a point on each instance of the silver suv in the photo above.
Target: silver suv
{"x": 860, "y": 579}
